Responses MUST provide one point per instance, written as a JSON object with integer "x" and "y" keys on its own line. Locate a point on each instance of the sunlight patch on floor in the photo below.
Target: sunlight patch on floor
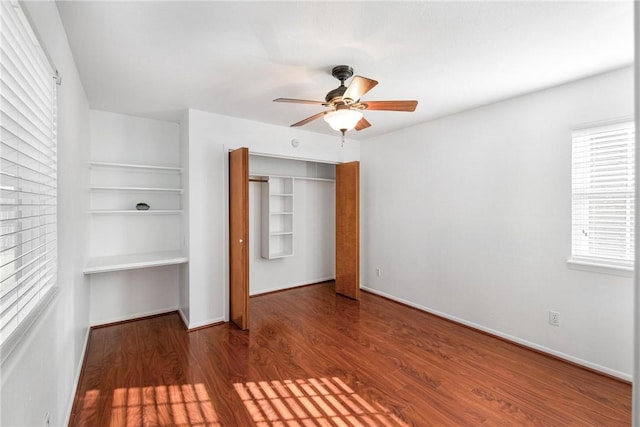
{"x": 90, "y": 403}
{"x": 176, "y": 405}
{"x": 311, "y": 402}
{"x": 168, "y": 405}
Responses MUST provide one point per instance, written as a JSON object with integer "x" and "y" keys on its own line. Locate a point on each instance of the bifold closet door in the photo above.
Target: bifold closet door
{"x": 348, "y": 229}
{"x": 239, "y": 237}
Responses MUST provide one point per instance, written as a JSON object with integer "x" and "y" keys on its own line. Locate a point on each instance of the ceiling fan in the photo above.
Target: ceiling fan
{"x": 344, "y": 105}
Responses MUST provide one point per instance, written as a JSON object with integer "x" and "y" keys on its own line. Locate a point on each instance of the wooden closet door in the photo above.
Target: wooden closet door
{"x": 239, "y": 237}
{"x": 348, "y": 229}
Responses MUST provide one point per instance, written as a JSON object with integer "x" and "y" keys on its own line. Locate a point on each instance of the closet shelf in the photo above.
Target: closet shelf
{"x": 135, "y": 166}
{"x": 135, "y": 212}
{"x": 147, "y": 189}
{"x": 132, "y": 261}
{"x": 280, "y": 255}
{"x": 277, "y": 217}
{"x": 280, "y": 233}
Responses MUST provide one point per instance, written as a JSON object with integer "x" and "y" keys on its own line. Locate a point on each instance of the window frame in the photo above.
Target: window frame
{"x": 590, "y": 261}
{"x": 28, "y": 129}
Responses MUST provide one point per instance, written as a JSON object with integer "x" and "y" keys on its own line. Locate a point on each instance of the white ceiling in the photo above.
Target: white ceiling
{"x": 155, "y": 59}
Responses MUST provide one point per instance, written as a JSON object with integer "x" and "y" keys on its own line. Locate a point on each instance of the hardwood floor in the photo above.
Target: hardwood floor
{"x": 312, "y": 358}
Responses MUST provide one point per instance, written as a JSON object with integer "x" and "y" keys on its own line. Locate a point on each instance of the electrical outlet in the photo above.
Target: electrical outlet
{"x": 378, "y": 272}
{"x": 554, "y": 318}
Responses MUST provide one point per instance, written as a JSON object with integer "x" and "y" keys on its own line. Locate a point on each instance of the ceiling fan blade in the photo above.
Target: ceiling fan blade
{"x": 391, "y": 105}
{"x": 298, "y": 101}
{"x": 309, "y": 119}
{"x": 357, "y": 88}
{"x": 362, "y": 124}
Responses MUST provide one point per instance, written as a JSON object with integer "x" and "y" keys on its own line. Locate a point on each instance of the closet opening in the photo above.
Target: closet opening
{"x": 291, "y": 227}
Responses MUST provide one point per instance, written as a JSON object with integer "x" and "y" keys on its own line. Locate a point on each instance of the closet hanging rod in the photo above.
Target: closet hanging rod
{"x": 265, "y": 178}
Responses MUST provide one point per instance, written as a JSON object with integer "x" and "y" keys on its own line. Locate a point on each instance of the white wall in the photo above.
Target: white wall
{"x": 210, "y": 138}
{"x": 126, "y": 139}
{"x": 41, "y": 374}
{"x": 129, "y": 294}
{"x": 469, "y": 216}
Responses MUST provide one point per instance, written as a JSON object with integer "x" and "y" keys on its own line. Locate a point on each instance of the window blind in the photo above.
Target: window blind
{"x": 603, "y": 194}
{"x": 28, "y": 173}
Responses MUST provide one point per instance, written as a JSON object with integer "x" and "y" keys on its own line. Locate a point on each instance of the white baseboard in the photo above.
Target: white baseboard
{"x": 76, "y": 378}
{"x": 134, "y": 316}
{"x": 184, "y": 318}
{"x": 195, "y": 325}
{"x": 289, "y": 286}
{"x": 204, "y": 323}
{"x": 525, "y": 343}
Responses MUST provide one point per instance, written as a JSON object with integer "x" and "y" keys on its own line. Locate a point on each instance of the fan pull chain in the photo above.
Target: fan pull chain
{"x": 343, "y": 132}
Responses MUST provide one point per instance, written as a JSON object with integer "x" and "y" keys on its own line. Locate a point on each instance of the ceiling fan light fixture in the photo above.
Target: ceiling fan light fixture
{"x": 343, "y": 120}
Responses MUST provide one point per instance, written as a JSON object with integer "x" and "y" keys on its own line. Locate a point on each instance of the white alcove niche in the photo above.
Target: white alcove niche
{"x": 134, "y": 160}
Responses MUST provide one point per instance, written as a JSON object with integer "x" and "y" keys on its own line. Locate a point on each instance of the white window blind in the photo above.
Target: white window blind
{"x": 603, "y": 195}
{"x": 28, "y": 252}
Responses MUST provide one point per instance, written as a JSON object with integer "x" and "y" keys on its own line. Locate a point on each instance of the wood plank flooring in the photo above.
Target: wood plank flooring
{"x": 312, "y": 358}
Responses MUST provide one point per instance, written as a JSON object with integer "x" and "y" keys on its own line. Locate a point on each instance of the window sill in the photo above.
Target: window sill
{"x": 598, "y": 267}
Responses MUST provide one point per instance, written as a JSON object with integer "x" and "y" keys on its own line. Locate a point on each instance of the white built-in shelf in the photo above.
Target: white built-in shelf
{"x": 105, "y": 264}
{"x": 274, "y": 255}
{"x": 136, "y": 212}
{"x": 135, "y": 166}
{"x": 277, "y": 217}
{"x": 309, "y": 178}
{"x": 147, "y": 189}
{"x": 140, "y": 238}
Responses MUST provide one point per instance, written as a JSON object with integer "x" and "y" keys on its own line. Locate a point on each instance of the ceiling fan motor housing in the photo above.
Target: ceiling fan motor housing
{"x": 335, "y": 93}
{"x": 342, "y": 73}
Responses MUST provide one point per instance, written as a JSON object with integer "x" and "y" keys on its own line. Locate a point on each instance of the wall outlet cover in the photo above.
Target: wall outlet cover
{"x": 554, "y": 318}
